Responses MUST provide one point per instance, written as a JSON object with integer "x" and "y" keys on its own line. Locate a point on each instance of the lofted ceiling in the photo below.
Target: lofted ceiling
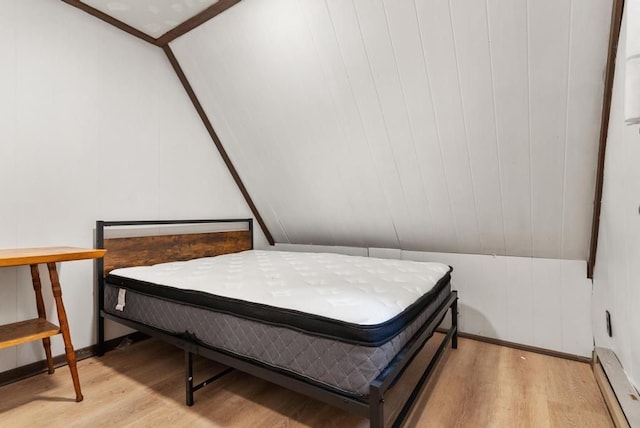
{"x": 434, "y": 125}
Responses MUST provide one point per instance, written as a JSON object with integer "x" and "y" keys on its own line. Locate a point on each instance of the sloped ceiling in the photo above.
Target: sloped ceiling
{"x": 439, "y": 125}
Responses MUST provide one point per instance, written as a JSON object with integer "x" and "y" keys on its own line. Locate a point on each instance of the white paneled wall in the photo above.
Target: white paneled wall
{"x": 93, "y": 125}
{"x": 507, "y": 24}
{"x": 445, "y": 125}
{"x": 550, "y": 22}
{"x": 617, "y": 272}
{"x": 538, "y": 302}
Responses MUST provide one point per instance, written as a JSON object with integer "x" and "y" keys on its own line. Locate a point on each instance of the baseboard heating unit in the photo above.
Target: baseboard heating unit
{"x": 621, "y": 397}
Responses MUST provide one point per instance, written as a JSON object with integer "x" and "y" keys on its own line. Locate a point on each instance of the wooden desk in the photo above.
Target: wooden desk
{"x": 39, "y": 328}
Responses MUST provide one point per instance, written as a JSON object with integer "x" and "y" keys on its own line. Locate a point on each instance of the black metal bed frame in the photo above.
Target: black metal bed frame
{"x": 371, "y": 406}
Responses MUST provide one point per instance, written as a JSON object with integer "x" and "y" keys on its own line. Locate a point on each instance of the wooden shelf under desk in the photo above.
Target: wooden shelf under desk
{"x": 39, "y": 328}
{"x": 26, "y": 331}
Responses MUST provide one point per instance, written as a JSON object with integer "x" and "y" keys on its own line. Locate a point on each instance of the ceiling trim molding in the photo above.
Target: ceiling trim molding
{"x": 111, "y": 20}
{"x": 195, "y": 21}
{"x": 183, "y": 28}
{"x": 212, "y": 133}
{"x": 614, "y": 38}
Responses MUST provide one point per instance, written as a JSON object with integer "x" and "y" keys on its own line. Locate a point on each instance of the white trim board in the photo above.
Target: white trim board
{"x": 531, "y": 301}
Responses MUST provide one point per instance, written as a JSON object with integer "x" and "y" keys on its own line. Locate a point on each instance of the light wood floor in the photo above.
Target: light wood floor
{"x": 478, "y": 385}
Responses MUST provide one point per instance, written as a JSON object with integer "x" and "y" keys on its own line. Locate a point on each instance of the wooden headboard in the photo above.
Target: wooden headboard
{"x": 150, "y": 245}
{"x": 136, "y": 243}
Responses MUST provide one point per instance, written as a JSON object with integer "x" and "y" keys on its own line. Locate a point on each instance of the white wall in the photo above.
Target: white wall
{"x": 539, "y": 302}
{"x": 460, "y": 126}
{"x": 93, "y": 125}
{"x": 617, "y": 270}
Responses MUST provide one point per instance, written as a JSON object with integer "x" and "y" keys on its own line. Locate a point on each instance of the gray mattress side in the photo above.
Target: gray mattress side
{"x": 348, "y": 368}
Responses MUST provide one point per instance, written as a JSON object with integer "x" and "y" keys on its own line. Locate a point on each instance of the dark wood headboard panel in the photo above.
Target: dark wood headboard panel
{"x": 149, "y": 250}
{"x": 162, "y": 248}
{"x": 160, "y": 241}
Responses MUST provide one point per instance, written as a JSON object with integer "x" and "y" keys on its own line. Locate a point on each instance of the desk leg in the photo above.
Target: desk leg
{"x": 64, "y": 328}
{"x": 37, "y": 288}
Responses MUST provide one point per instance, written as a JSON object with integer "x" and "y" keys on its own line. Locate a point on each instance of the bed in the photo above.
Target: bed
{"x": 341, "y": 329}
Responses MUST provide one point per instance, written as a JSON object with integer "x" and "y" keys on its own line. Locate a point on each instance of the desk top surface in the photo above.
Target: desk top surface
{"x": 29, "y": 256}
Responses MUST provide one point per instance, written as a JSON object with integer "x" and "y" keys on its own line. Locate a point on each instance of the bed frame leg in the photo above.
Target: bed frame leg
{"x": 376, "y": 409}
{"x": 454, "y": 323}
{"x": 99, "y": 266}
{"x": 188, "y": 366}
{"x": 100, "y": 349}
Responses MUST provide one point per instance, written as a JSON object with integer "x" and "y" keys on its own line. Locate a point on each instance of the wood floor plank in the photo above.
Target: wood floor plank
{"x": 477, "y": 385}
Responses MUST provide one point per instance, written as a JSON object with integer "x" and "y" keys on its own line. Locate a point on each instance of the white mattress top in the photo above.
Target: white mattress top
{"x": 358, "y": 290}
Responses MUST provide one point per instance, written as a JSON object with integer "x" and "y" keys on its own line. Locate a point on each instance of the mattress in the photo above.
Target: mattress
{"x": 313, "y": 339}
